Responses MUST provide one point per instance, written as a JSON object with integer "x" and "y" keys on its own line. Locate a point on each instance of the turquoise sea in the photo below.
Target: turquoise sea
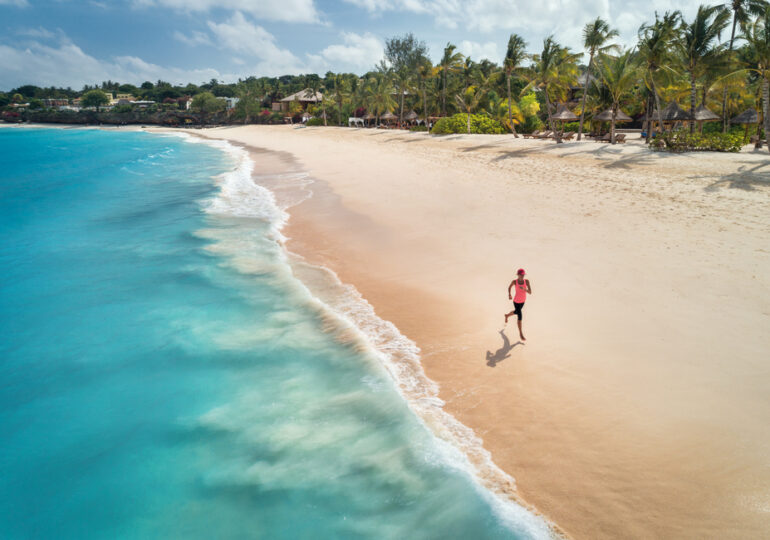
{"x": 163, "y": 373}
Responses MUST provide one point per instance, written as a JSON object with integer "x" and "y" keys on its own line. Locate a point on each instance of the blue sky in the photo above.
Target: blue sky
{"x": 71, "y": 43}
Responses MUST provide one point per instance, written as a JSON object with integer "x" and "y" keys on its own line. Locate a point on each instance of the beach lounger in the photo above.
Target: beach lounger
{"x": 620, "y": 137}
{"x": 604, "y": 138}
{"x": 533, "y": 134}
{"x": 568, "y": 136}
{"x": 545, "y": 135}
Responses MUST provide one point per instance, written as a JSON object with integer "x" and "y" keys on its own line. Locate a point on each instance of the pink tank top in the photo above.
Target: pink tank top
{"x": 521, "y": 292}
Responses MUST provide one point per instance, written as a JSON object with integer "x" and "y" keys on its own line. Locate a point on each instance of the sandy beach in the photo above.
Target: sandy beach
{"x": 638, "y": 406}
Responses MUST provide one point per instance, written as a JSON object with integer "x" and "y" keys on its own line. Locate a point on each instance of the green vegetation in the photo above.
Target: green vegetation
{"x": 675, "y": 60}
{"x": 459, "y": 123}
{"x": 682, "y": 141}
{"x": 95, "y": 98}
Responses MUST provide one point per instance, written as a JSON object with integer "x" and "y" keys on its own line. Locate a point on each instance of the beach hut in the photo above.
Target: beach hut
{"x": 673, "y": 114}
{"x": 747, "y": 117}
{"x": 411, "y": 117}
{"x": 606, "y": 116}
{"x": 368, "y": 118}
{"x": 702, "y": 114}
{"x": 563, "y": 114}
{"x": 389, "y": 117}
{"x": 306, "y": 116}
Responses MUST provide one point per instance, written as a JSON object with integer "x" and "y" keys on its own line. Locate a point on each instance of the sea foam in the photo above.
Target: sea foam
{"x": 354, "y": 320}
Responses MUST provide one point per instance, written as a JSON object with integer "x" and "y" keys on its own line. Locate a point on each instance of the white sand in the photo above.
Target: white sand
{"x": 640, "y": 405}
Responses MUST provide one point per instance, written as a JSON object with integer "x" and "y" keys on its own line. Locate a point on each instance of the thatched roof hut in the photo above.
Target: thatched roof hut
{"x": 563, "y": 114}
{"x": 749, "y": 116}
{"x": 306, "y": 95}
{"x": 369, "y": 116}
{"x": 674, "y": 113}
{"x": 388, "y": 116}
{"x": 411, "y": 116}
{"x": 606, "y": 116}
{"x": 702, "y": 114}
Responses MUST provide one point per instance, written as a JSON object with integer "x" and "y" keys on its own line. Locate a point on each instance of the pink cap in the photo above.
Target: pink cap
{"x": 520, "y": 271}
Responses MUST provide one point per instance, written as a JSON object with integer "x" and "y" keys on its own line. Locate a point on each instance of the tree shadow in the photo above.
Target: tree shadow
{"x": 746, "y": 178}
{"x": 503, "y": 352}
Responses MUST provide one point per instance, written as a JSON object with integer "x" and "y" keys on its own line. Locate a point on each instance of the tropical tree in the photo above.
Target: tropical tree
{"x": 207, "y": 103}
{"x": 314, "y": 87}
{"x": 469, "y": 99}
{"x": 697, "y": 45}
{"x": 95, "y": 98}
{"x": 340, "y": 93}
{"x": 553, "y": 71}
{"x": 619, "y": 74}
{"x": 757, "y": 37}
{"x": 596, "y": 34}
{"x": 425, "y": 72}
{"x": 742, "y": 12}
{"x": 450, "y": 62}
{"x": 654, "y": 51}
{"x": 379, "y": 95}
{"x": 514, "y": 56}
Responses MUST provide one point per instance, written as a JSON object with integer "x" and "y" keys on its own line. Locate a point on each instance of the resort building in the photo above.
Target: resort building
{"x": 304, "y": 97}
{"x": 231, "y": 102}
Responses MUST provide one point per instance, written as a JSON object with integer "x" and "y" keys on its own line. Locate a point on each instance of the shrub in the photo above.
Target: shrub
{"x": 418, "y": 128}
{"x": 574, "y": 126}
{"x": 459, "y": 124}
{"x": 530, "y": 124}
{"x": 315, "y": 122}
{"x": 683, "y": 141}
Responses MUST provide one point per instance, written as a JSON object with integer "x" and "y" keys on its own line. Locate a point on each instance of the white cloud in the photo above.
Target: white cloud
{"x": 39, "y": 33}
{"x": 66, "y": 64}
{"x": 534, "y": 20}
{"x": 241, "y": 36}
{"x": 479, "y": 51}
{"x": 357, "y": 53}
{"x": 195, "y": 38}
{"x": 296, "y": 11}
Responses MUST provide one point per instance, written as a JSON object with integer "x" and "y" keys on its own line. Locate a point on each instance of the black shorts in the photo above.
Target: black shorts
{"x": 517, "y": 308}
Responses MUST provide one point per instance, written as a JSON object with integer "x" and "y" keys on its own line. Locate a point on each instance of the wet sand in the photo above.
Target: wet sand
{"x": 638, "y": 407}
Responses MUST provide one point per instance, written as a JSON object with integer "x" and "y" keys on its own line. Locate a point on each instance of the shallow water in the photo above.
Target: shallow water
{"x": 165, "y": 375}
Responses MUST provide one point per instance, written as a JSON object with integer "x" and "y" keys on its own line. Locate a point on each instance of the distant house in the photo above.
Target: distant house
{"x": 185, "y": 102}
{"x": 303, "y": 97}
{"x": 55, "y": 103}
{"x": 127, "y": 97}
{"x": 231, "y": 102}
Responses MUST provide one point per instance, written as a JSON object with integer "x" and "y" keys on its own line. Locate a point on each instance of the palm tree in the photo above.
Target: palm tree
{"x": 402, "y": 82}
{"x": 696, "y": 45}
{"x": 742, "y": 10}
{"x": 341, "y": 93}
{"x": 554, "y": 70}
{"x": 313, "y": 89}
{"x": 379, "y": 92}
{"x": 595, "y": 36}
{"x": 425, "y": 72}
{"x": 619, "y": 76}
{"x": 450, "y": 61}
{"x": 757, "y": 36}
{"x": 655, "y": 54}
{"x": 514, "y": 56}
{"x": 469, "y": 99}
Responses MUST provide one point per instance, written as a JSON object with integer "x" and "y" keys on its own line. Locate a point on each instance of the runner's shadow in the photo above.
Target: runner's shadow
{"x": 503, "y": 352}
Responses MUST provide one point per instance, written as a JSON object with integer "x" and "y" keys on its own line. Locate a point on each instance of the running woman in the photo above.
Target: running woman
{"x": 522, "y": 288}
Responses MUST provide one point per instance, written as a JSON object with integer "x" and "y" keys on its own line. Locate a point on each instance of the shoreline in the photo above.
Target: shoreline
{"x": 623, "y": 414}
{"x": 353, "y": 320}
{"x": 607, "y": 423}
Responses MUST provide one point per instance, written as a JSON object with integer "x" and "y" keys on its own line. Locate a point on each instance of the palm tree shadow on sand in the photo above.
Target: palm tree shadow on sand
{"x": 503, "y": 352}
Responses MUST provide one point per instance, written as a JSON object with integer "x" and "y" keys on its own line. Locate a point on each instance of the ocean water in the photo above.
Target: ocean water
{"x": 163, "y": 374}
